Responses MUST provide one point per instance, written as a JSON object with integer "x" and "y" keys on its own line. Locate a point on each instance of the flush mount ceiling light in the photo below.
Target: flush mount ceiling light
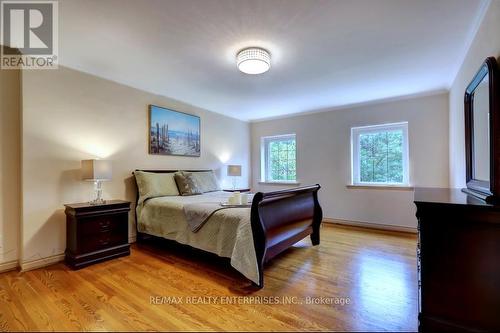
{"x": 253, "y": 60}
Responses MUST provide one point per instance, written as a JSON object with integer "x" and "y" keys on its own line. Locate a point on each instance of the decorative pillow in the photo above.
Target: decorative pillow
{"x": 152, "y": 185}
{"x": 206, "y": 181}
{"x": 187, "y": 183}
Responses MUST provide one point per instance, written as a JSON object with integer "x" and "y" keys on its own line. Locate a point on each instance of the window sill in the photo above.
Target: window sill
{"x": 279, "y": 183}
{"x": 380, "y": 187}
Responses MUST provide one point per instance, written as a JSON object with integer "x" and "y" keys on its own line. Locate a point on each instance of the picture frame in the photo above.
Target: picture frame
{"x": 173, "y": 132}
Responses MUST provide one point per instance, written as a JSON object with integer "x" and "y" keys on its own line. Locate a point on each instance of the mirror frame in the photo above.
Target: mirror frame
{"x": 486, "y": 190}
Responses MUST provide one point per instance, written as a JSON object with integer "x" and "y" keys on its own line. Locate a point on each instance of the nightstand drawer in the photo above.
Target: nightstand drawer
{"x": 95, "y": 242}
{"x": 102, "y": 224}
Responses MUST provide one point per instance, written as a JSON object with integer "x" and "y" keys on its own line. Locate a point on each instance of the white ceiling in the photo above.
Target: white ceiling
{"x": 325, "y": 54}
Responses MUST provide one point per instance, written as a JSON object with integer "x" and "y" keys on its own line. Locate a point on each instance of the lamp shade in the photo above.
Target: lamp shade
{"x": 234, "y": 170}
{"x": 96, "y": 170}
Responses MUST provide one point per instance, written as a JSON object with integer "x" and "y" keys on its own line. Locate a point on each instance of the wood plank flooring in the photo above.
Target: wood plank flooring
{"x": 154, "y": 288}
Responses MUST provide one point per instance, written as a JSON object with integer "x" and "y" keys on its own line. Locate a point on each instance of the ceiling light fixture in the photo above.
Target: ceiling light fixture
{"x": 253, "y": 60}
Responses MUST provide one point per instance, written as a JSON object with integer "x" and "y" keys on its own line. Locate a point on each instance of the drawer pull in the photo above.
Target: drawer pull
{"x": 104, "y": 224}
{"x": 104, "y": 241}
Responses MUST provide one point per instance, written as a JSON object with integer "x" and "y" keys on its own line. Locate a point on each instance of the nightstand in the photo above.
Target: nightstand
{"x": 96, "y": 233}
{"x": 237, "y": 190}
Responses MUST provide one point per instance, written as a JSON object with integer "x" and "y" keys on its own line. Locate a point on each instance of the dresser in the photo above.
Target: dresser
{"x": 458, "y": 261}
{"x": 96, "y": 233}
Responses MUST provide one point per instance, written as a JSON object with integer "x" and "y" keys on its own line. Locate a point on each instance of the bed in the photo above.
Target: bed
{"x": 249, "y": 236}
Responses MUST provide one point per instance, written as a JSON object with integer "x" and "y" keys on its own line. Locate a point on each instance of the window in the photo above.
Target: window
{"x": 278, "y": 158}
{"x": 380, "y": 154}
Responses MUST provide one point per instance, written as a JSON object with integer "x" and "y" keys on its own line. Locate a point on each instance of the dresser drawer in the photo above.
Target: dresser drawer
{"x": 102, "y": 240}
{"x": 103, "y": 224}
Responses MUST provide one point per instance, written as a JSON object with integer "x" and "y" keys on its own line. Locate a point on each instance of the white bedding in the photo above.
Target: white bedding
{"x": 227, "y": 232}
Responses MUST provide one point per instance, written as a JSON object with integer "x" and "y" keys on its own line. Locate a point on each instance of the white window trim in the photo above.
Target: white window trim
{"x": 355, "y": 165}
{"x": 264, "y": 158}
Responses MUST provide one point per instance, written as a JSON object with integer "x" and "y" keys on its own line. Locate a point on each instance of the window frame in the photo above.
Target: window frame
{"x": 265, "y": 173}
{"x": 355, "y": 149}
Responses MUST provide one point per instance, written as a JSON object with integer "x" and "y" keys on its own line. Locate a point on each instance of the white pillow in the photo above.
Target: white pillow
{"x": 152, "y": 185}
{"x": 206, "y": 181}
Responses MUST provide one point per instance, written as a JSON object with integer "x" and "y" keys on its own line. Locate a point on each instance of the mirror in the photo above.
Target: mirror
{"x": 482, "y": 133}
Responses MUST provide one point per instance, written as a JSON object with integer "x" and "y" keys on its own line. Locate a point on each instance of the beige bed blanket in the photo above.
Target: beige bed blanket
{"x": 197, "y": 214}
{"x": 227, "y": 232}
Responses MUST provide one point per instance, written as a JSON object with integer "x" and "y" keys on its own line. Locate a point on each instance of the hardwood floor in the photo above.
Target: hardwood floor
{"x": 374, "y": 270}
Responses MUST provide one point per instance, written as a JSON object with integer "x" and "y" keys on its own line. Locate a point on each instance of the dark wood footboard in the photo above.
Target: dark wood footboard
{"x": 282, "y": 218}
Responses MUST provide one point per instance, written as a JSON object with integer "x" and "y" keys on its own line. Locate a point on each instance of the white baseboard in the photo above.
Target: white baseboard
{"x": 371, "y": 225}
{"x": 9, "y": 266}
{"x": 38, "y": 263}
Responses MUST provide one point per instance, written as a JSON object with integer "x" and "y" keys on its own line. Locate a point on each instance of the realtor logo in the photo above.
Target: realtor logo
{"x": 29, "y": 30}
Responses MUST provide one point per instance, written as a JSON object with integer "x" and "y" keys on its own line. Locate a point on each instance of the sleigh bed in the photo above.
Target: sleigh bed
{"x": 250, "y": 236}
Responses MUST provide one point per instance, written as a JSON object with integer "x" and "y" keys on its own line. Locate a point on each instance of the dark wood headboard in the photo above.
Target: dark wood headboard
{"x": 170, "y": 171}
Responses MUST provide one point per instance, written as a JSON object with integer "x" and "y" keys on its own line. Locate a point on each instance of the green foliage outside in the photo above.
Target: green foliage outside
{"x": 282, "y": 160}
{"x": 381, "y": 157}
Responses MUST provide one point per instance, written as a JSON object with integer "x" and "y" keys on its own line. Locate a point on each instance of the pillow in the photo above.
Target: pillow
{"x": 152, "y": 185}
{"x": 187, "y": 183}
{"x": 207, "y": 181}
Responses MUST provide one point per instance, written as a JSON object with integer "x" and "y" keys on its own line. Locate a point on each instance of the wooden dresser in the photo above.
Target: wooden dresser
{"x": 458, "y": 261}
{"x": 96, "y": 232}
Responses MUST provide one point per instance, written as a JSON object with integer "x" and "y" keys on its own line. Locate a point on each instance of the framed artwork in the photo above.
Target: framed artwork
{"x": 173, "y": 132}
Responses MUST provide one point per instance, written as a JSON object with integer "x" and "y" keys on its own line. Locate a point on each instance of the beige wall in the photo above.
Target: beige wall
{"x": 9, "y": 166}
{"x": 69, "y": 116}
{"x": 323, "y": 156}
{"x": 486, "y": 43}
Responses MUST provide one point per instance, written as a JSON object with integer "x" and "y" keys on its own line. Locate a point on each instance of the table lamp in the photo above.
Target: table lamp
{"x": 234, "y": 171}
{"x": 96, "y": 171}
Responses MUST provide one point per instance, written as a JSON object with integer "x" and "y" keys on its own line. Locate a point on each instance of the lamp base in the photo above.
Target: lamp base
{"x": 97, "y": 202}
